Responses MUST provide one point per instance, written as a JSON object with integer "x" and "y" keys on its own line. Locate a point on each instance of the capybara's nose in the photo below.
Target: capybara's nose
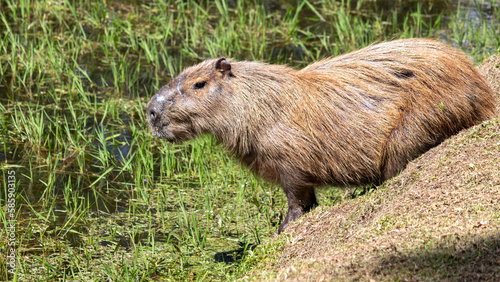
{"x": 152, "y": 113}
{"x": 152, "y": 110}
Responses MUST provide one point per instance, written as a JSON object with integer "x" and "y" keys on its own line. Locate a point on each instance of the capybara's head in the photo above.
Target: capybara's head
{"x": 179, "y": 110}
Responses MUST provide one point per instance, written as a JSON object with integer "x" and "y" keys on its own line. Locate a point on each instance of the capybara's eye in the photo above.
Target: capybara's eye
{"x": 200, "y": 85}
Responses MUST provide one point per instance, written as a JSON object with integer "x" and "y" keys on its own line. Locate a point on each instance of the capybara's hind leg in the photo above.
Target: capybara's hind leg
{"x": 301, "y": 199}
{"x": 406, "y": 142}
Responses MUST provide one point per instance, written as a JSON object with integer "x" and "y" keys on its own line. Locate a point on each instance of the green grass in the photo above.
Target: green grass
{"x": 97, "y": 196}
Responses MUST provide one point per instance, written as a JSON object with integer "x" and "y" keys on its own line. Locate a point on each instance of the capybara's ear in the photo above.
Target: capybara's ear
{"x": 223, "y": 66}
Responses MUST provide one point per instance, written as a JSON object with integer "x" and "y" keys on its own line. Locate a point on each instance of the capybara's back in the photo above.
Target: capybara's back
{"x": 354, "y": 119}
{"x": 393, "y": 101}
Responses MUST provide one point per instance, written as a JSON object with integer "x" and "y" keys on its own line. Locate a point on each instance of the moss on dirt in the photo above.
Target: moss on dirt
{"x": 439, "y": 219}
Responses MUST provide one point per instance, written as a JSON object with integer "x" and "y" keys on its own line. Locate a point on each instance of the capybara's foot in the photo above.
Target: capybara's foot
{"x": 297, "y": 211}
{"x": 293, "y": 214}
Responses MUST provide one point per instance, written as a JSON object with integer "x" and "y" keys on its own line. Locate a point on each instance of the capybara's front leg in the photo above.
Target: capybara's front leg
{"x": 301, "y": 199}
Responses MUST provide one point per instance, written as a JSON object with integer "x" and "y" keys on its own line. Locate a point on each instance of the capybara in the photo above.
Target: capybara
{"x": 353, "y": 119}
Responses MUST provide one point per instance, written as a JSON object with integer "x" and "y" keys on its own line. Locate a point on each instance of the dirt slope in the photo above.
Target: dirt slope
{"x": 439, "y": 219}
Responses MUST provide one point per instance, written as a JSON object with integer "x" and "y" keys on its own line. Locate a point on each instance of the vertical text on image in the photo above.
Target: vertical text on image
{"x": 11, "y": 221}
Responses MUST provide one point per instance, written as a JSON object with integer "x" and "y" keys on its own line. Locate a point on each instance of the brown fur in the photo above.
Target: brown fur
{"x": 354, "y": 119}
